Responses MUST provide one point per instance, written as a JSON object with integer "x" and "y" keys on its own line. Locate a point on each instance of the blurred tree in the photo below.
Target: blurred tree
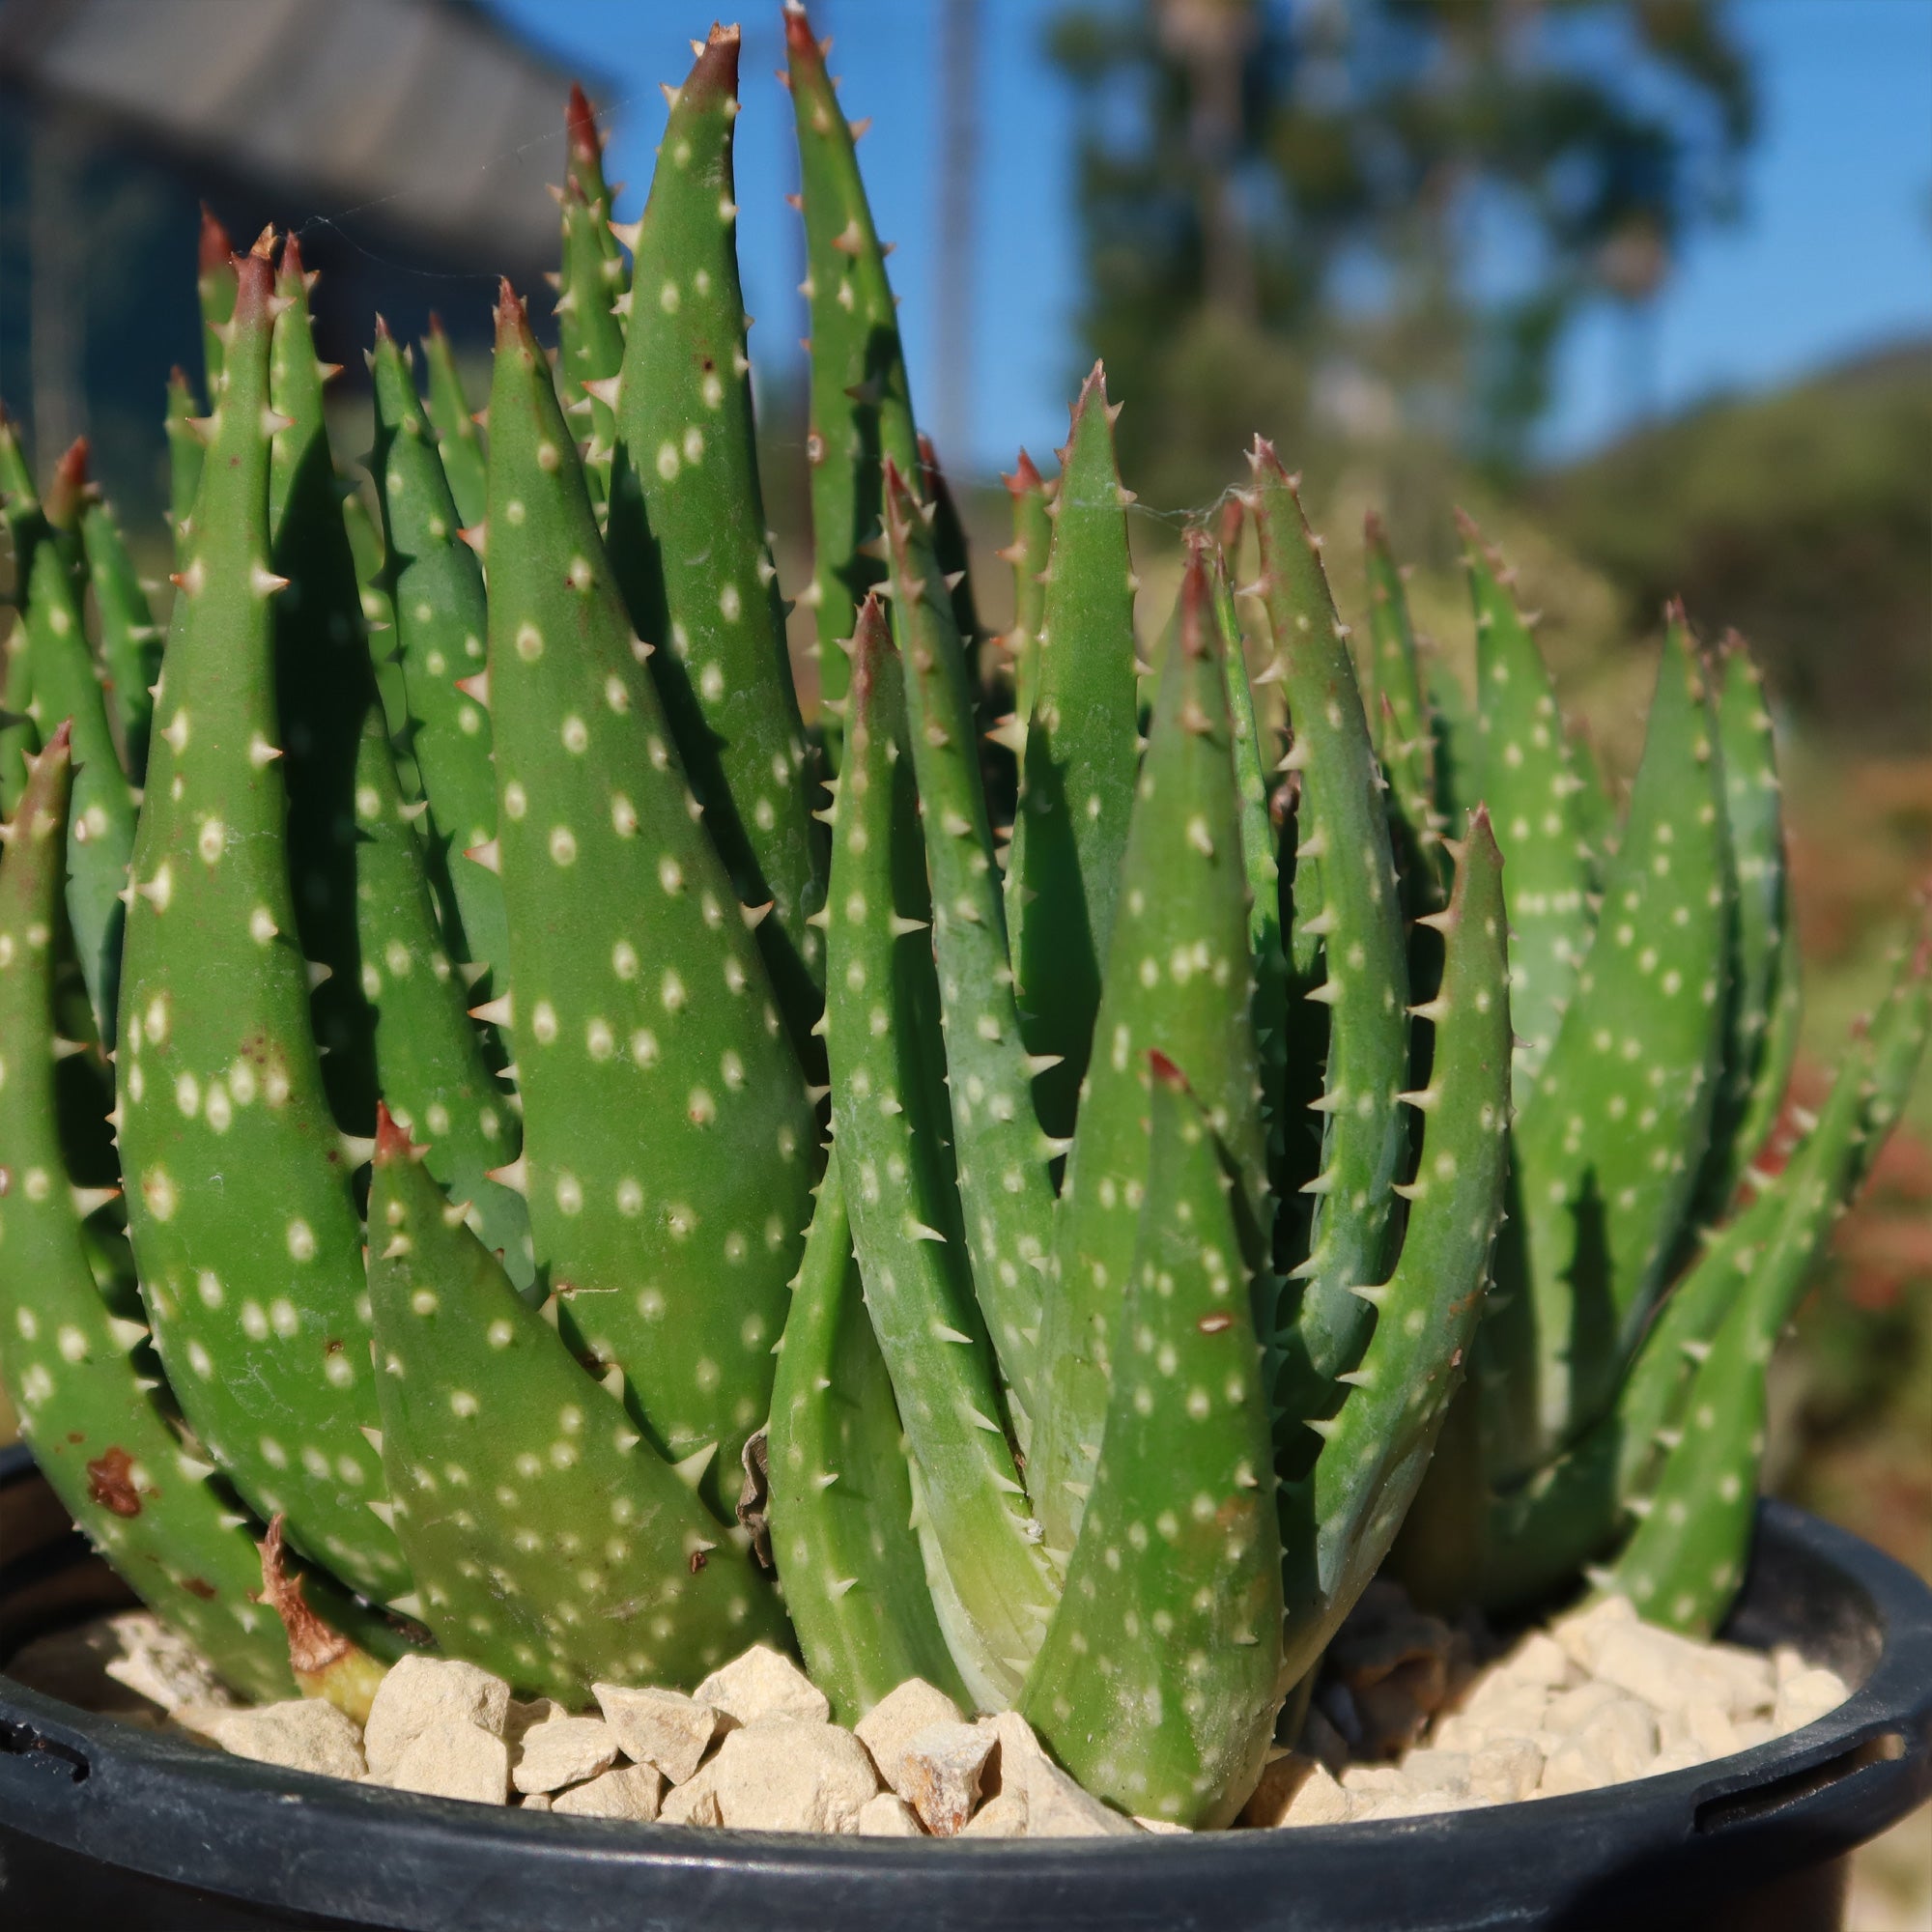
{"x": 1373, "y": 217}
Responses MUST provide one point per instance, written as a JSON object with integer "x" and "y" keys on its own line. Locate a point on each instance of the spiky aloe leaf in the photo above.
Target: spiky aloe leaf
{"x": 1757, "y": 1053}
{"x": 593, "y": 289}
{"x": 1405, "y": 739}
{"x": 379, "y": 622}
{"x": 1536, "y": 1535}
{"x": 1178, "y": 981}
{"x": 552, "y": 1543}
{"x": 584, "y": 170}
{"x": 840, "y": 1503}
{"x": 1033, "y": 538}
{"x": 1341, "y": 1522}
{"x": 889, "y": 1125}
{"x": 325, "y": 685}
{"x": 666, "y": 1128}
{"x": 950, "y": 548}
{"x": 458, "y": 441}
{"x": 1608, "y": 1145}
{"x": 215, "y": 287}
{"x": 1342, "y": 828}
{"x": 688, "y": 533}
{"x": 429, "y": 1057}
{"x": 76, "y": 1361}
{"x": 860, "y": 408}
{"x": 186, "y": 451}
{"x": 591, "y": 332}
{"x": 1077, "y": 775}
{"x": 243, "y": 1218}
{"x": 442, "y": 624}
{"x": 1257, "y": 857}
{"x": 69, "y": 491}
{"x": 1159, "y": 1679}
{"x": 18, "y": 737}
{"x": 1005, "y": 1194}
{"x": 26, "y": 525}
{"x": 1459, "y": 758}
{"x": 131, "y": 641}
{"x": 101, "y": 833}
{"x": 1685, "y": 1556}
{"x": 1529, "y": 782}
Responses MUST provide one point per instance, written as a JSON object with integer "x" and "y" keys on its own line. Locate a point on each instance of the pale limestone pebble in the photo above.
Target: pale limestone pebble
{"x": 1430, "y": 1769}
{"x": 1538, "y": 1660}
{"x": 1755, "y": 1731}
{"x": 1281, "y": 1781}
{"x": 888, "y": 1816}
{"x": 662, "y": 1728}
{"x": 561, "y": 1751}
{"x": 1003, "y": 1816}
{"x": 417, "y": 1693}
{"x": 1668, "y": 1671}
{"x": 1163, "y": 1827}
{"x": 1579, "y": 1633}
{"x": 939, "y": 1774}
{"x": 1505, "y": 1770}
{"x": 896, "y": 1719}
{"x": 1806, "y": 1697}
{"x": 525, "y": 1715}
{"x": 1702, "y": 1726}
{"x": 1516, "y": 1712}
{"x": 1296, "y": 1790}
{"x": 764, "y": 1683}
{"x": 151, "y": 1660}
{"x": 1055, "y": 1806}
{"x": 1571, "y": 1767}
{"x": 1624, "y": 1735}
{"x": 633, "y": 1791}
{"x": 695, "y": 1801}
{"x": 1375, "y": 1782}
{"x": 453, "y": 1759}
{"x": 1787, "y": 1662}
{"x": 535, "y": 1801}
{"x": 1569, "y": 1711}
{"x": 303, "y": 1734}
{"x": 1613, "y": 1740}
{"x": 1386, "y": 1791}
{"x": 793, "y": 1775}
{"x": 1016, "y": 1751}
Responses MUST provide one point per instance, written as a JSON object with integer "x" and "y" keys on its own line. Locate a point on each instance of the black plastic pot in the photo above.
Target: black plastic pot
{"x": 102, "y": 1825}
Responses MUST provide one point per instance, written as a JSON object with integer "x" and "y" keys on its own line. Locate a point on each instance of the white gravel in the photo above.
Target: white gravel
{"x": 1406, "y": 1722}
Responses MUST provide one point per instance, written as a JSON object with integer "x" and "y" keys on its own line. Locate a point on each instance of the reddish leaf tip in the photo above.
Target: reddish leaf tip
{"x": 580, "y": 120}
{"x": 215, "y": 245}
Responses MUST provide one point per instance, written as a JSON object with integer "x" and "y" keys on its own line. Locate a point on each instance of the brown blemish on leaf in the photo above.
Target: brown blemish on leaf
{"x": 313, "y": 1646}
{"x": 1213, "y": 1324}
{"x": 198, "y": 1586}
{"x": 110, "y": 1482}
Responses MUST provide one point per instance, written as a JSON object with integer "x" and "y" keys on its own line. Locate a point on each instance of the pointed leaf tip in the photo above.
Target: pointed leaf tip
{"x": 392, "y": 1144}
{"x": 580, "y": 120}
{"x": 216, "y": 247}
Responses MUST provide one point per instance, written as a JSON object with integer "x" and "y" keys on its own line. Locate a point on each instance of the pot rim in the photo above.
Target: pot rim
{"x": 175, "y": 1811}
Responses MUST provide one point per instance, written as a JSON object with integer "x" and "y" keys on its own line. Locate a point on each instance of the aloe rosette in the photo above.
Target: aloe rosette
{"x": 588, "y": 1141}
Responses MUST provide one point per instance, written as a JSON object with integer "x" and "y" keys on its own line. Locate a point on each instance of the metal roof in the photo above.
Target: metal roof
{"x": 423, "y": 116}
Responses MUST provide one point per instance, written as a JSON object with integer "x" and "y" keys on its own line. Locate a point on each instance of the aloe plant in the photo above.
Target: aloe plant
{"x": 482, "y": 845}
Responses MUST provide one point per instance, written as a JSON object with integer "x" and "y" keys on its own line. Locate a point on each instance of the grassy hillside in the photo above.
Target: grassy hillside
{"x": 1804, "y": 517}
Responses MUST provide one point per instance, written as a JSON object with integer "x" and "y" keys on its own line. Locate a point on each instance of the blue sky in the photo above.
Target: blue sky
{"x": 1833, "y": 253}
